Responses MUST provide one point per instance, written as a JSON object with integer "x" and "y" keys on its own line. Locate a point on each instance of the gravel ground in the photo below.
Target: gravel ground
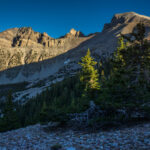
{"x": 34, "y": 138}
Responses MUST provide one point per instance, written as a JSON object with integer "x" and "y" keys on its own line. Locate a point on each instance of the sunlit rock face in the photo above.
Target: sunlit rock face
{"x": 127, "y": 21}
{"x": 73, "y": 33}
{"x": 26, "y": 55}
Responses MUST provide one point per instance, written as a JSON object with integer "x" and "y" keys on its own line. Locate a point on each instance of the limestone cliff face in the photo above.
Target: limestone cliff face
{"x": 28, "y": 55}
{"x": 26, "y": 37}
{"x": 19, "y": 46}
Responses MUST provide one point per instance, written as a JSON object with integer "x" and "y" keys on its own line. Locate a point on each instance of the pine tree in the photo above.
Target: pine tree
{"x": 131, "y": 68}
{"x": 10, "y": 117}
{"x": 44, "y": 113}
{"x": 118, "y": 62}
{"x": 89, "y": 75}
{"x": 137, "y": 55}
{"x": 118, "y": 55}
{"x": 118, "y": 81}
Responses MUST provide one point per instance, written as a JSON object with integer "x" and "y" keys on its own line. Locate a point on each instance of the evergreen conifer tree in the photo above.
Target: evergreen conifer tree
{"x": 137, "y": 55}
{"x": 89, "y": 75}
{"x": 44, "y": 113}
{"x": 10, "y": 117}
{"x": 118, "y": 81}
{"x": 131, "y": 68}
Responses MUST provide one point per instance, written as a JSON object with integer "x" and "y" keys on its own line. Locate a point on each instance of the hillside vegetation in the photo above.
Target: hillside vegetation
{"x": 116, "y": 84}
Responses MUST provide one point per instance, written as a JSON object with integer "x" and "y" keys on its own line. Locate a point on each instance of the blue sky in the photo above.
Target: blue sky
{"x": 57, "y": 17}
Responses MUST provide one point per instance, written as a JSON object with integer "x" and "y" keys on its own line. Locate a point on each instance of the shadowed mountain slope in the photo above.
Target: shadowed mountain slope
{"x": 26, "y": 55}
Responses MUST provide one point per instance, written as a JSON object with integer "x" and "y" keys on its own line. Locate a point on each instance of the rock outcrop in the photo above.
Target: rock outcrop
{"x": 20, "y": 46}
{"x": 73, "y": 33}
{"x": 26, "y": 37}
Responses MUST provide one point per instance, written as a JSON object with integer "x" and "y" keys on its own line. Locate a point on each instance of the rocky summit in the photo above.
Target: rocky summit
{"x": 33, "y": 57}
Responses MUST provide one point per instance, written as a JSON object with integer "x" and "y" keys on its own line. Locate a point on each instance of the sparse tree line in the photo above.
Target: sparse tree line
{"x": 119, "y": 82}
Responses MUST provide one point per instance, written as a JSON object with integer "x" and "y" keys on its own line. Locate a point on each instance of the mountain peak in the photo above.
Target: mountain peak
{"x": 129, "y": 15}
{"x": 126, "y": 18}
{"x": 126, "y": 14}
{"x": 74, "y": 33}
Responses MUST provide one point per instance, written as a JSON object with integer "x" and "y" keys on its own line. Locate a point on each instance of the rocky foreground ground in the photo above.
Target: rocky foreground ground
{"x": 34, "y": 138}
